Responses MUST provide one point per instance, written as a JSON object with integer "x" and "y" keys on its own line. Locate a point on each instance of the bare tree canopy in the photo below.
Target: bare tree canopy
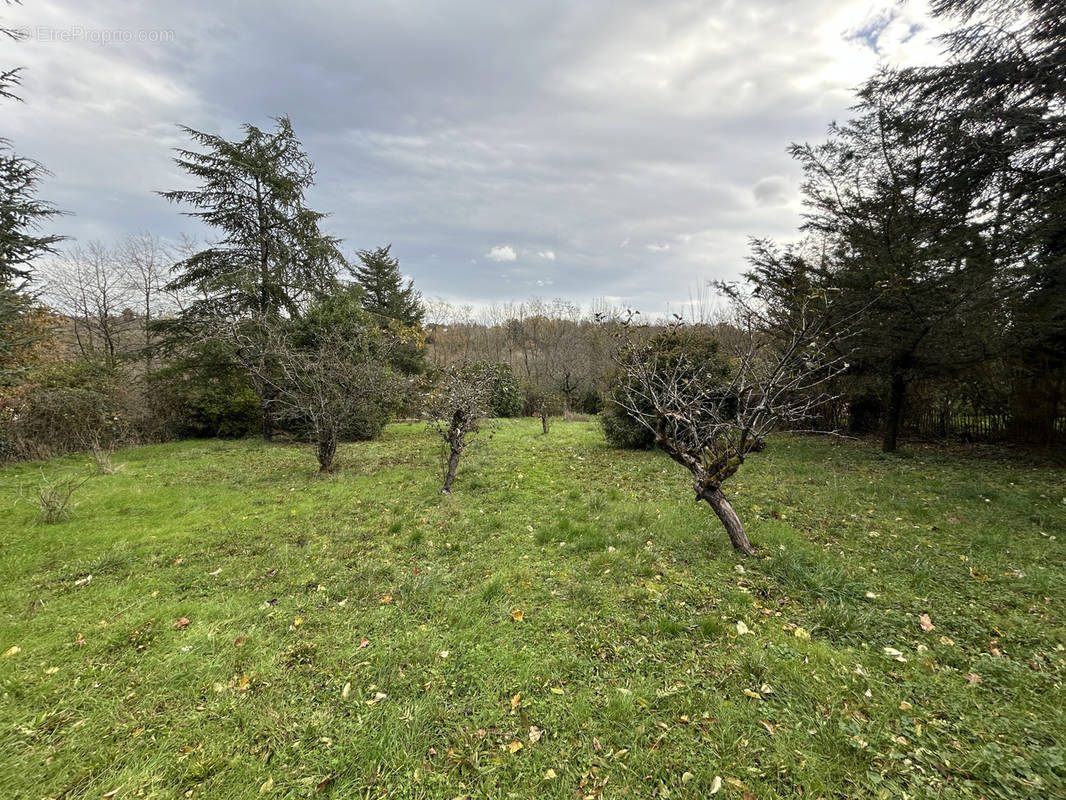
{"x": 708, "y": 406}
{"x": 455, "y": 405}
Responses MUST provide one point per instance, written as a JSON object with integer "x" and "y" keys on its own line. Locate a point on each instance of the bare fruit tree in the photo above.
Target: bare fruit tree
{"x": 324, "y": 384}
{"x": 709, "y": 404}
{"x": 455, "y": 407}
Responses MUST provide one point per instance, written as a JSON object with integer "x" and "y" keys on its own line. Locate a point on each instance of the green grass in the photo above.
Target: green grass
{"x": 628, "y": 660}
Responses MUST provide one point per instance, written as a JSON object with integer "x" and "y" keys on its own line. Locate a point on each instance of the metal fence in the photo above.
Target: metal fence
{"x": 936, "y": 424}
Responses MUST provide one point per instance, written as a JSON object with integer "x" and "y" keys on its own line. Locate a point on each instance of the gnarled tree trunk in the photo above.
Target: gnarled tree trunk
{"x": 327, "y": 447}
{"x": 544, "y": 420}
{"x": 733, "y": 526}
{"x": 453, "y": 465}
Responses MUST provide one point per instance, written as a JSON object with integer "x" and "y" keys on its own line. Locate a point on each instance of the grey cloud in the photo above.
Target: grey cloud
{"x": 774, "y": 190}
{"x": 452, "y": 129}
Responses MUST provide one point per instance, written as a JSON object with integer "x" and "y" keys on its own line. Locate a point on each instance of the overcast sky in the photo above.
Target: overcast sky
{"x": 612, "y": 149}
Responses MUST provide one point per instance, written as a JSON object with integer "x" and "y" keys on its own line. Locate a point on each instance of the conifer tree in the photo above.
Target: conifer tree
{"x": 271, "y": 259}
{"x": 385, "y": 293}
{"x": 21, "y": 216}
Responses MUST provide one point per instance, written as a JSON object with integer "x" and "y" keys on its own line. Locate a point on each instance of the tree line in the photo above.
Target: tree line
{"x": 936, "y": 213}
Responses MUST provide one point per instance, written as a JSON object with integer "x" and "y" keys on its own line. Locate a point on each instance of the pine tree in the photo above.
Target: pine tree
{"x": 271, "y": 260}
{"x": 21, "y": 216}
{"x": 385, "y": 293}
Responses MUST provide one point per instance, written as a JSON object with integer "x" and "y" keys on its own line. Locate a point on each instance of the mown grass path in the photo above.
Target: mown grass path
{"x": 355, "y": 636}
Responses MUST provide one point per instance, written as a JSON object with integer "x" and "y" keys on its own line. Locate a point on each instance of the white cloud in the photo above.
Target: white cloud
{"x": 548, "y": 255}
{"x": 501, "y": 253}
{"x": 658, "y": 247}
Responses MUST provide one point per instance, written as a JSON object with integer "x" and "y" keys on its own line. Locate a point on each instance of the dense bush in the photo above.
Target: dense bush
{"x": 64, "y": 407}
{"x": 205, "y": 394}
{"x": 665, "y": 351}
{"x": 591, "y": 402}
{"x": 505, "y": 398}
{"x": 621, "y": 429}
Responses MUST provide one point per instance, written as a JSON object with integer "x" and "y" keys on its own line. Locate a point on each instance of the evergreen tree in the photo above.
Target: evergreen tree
{"x": 384, "y": 292}
{"x": 895, "y": 219}
{"x": 1005, "y": 82}
{"x": 271, "y": 259}
{"x": 21, "y": 216}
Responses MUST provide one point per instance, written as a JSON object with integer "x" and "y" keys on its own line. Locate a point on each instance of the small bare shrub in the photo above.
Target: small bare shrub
{"x": 102, "y": 458}
{"x": 54, "y": 497}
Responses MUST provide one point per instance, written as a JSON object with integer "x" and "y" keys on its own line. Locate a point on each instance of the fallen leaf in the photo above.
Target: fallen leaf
{"x": 83, "y": 581}
{"x": 770, "y": 727}
{"x": 557, "y": 690}
{"x": 977, "y": 574}
{"x": 550, "y": 775}
{"x": 801, "y": 633}
{"x": 534, "y": 734}
{"x": 894, "y": 653}
{"x": 973, "y": 679}
{"x": 386, "y": 599}
{"x": 686, "y": 777}
{"x": 753, "y": 695}
{"x": 947, "y": 640}
{"x": 518, "y": 615}
{"x": 514, "y": 746}
{"x": 325, "y": 783}
{"x": 716, "y": 785}
{"x": 905, "y": 706}
{"x": 347, "y": 690}
{"x": 363, "y": 643}
{"x": 298, "y": 622}
{"x": 13, "y": 650}
{"x": 109, "y": 795}
{"x": 182, "y": 623}
{"x": 238, "y": 641}
{"x": 516, "y": 701}
{"x": 51, "y": 671}
{"x": 216, "y": 572}
{"x": 444, "y": 653}
{"x": 926, "y": 623}
{"x": 742, "y": 628}
{"x": 268, "y": 784}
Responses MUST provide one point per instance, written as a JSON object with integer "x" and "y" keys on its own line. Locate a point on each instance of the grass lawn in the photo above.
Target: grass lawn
{"x": 355, "y": 636}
